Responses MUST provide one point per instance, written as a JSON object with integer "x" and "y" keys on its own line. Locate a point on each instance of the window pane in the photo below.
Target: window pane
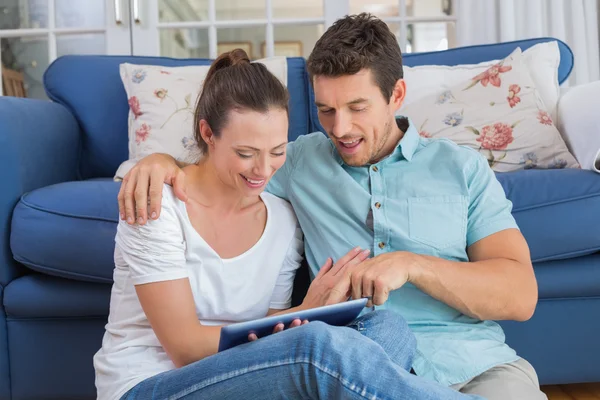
{"x": 90, "y": 43}
{"x": 182, "y": 10}
{"x": 26, "y": 14}
{"x": 24, "y": 62}
{"x": 78, "y": 14}
{"x": 429, "y": 8}
{"x": 430, "y": 36}
{"x": 184, "y": 43}
{"x": 297, "y": 9}
{"x": 240, "y": 9}
{"x": 248, "y": 38}
{"x": 382, "y": 9}
{"x": 296, "y": 40}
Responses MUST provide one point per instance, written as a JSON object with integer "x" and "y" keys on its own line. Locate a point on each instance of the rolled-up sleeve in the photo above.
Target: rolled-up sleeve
{"x": 155, "y": 251}
{"x": 489, "y": 209}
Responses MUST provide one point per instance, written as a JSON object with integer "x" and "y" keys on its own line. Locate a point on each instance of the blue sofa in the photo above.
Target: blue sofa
{"x": 58, "y": 218}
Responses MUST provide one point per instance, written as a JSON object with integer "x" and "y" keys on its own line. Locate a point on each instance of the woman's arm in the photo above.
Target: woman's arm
{"x": 154, "y": 255}
{"x": 170, "y": 309}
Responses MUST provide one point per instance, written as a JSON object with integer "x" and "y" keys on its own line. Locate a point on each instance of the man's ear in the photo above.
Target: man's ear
{"x": 206, "y": 133}
{"x": 398, "y": 94}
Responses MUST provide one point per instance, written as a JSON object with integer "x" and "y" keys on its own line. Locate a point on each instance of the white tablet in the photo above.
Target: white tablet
{"x": 336, "y": 314}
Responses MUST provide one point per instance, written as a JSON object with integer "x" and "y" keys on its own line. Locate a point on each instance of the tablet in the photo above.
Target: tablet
{"x": 336, "y": 314}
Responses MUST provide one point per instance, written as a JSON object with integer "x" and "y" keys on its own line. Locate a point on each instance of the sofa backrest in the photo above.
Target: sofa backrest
{"x": 90, "y": 87}
{"x": 473, "y": 55}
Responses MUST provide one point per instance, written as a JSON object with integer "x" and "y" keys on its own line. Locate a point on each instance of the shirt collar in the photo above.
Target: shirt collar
{"x": 406, "y": 147}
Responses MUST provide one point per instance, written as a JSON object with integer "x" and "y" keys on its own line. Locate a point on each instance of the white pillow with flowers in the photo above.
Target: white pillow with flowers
{"x": 162, "y": 102}
{"x": 499, "y": 113}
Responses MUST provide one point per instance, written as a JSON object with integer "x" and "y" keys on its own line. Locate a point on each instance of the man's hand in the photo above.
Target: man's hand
{"x": 147, "y": 178}
{"x": 377, "y": 277}
{"x": 332, "y": 283}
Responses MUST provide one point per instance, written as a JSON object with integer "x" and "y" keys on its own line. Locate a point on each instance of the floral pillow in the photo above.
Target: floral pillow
{"x": 162, "y": 101}
{"x": 499, "y": 113}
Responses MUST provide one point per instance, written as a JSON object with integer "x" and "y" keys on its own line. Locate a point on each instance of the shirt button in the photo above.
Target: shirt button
{"x": 381, "y": 245}
{"x": 378, "y": 205}
{"x": 374, "y": 168}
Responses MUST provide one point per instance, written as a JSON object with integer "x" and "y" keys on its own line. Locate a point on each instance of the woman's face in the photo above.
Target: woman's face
{"x": 250, "y": 149}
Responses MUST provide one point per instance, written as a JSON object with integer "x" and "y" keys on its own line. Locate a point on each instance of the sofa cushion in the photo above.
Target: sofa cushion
{"x": 90, "y": 87}
{"x": 68, "y": 229}
{"x": 558, "y": 211}
{"x": 575, "y": 277}
{"x": 42, "y": 296}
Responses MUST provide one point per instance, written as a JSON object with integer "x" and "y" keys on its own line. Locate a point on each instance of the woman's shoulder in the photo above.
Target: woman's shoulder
{"x": 281, "y": 209}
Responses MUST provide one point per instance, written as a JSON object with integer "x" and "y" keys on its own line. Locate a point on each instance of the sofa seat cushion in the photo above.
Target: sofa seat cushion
{"x": 558, "y": 211}
{"x": 68, "y": 229}
{"x": 42, "y": 296}
{"x": 575, "y": 277}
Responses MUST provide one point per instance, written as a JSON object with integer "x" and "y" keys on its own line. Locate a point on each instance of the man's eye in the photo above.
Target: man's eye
{"x": 329, "y": 111}
{"x": 358, "y": 109}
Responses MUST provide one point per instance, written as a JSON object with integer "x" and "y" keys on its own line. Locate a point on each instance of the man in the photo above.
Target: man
{"x": 447, "y": 253}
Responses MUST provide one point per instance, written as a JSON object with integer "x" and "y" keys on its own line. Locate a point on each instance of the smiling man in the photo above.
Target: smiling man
{"x": 447, "y": 253}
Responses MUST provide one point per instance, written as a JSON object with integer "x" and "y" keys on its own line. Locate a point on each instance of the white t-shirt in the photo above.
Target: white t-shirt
{"x": 225, "y": 290}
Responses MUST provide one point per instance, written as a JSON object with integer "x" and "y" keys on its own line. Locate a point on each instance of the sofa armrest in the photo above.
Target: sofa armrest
{"x": 39, "y": 146}
{"x": 579, "y": 123}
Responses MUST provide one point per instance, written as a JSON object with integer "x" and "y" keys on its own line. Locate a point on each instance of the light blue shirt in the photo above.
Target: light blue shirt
{"x": 429, "y": 197}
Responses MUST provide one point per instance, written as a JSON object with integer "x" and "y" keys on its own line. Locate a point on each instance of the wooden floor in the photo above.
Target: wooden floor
{"x": 581, "y": 391}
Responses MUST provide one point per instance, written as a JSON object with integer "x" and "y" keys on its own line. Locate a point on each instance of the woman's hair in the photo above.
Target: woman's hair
{"x": 233, "y": 83}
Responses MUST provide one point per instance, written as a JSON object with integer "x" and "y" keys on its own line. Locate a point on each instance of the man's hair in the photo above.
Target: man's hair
{"x": 358, "y": 42}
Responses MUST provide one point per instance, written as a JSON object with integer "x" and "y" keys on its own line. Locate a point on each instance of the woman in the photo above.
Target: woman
{"x": 229, "y": 254}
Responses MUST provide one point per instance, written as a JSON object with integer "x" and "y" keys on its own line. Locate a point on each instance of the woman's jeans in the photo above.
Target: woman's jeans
{"x": 369, "y": 359}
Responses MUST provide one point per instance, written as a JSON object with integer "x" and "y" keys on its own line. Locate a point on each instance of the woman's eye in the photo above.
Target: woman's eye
{"x": 326, "y": 111}
{"x": 358, "y": 109}
{"x": 278, "y": 154}
{"x": 244, "y": 155}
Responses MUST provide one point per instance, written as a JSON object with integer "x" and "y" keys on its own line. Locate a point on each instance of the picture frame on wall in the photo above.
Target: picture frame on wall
{"x": 288, "y": 48}
{"x": 223, "y": 47}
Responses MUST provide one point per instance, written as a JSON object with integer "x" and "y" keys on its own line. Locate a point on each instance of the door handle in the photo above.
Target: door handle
{"x": 118, "y": 12}
{"x": 136, "y": 11}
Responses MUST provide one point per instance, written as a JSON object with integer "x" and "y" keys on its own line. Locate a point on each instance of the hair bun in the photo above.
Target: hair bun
{"x": 230, "y": 58}
{"x": 225, "y": 60}
{"x": 238, "y": 56}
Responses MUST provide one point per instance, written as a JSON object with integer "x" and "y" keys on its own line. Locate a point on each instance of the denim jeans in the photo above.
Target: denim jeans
{"x": 369, "y": 359}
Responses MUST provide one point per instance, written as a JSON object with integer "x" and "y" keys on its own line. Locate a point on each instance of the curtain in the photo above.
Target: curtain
{"x": 575, "y": 22}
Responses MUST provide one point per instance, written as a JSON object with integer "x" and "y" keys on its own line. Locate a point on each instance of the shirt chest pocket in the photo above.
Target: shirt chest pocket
{"x": 439, "y": 221}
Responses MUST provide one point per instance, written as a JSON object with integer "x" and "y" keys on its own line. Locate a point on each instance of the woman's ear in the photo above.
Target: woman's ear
{"x": 206, "y": 133}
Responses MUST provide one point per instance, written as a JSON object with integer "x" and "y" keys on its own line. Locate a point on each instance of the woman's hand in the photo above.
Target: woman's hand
{"x": 333, "y": 284}
{"x": 280, "y": 327}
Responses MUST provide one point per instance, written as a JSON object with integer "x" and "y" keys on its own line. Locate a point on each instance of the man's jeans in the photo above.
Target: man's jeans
{"x": 369, "y": 359}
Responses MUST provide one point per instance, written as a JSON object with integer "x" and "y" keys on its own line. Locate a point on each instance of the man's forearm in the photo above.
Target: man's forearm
{"x": 494, "y": 289}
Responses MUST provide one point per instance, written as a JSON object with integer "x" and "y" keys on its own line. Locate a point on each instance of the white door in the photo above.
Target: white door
{"x": 33, "y": 33}
{"x": 205, "y": 28}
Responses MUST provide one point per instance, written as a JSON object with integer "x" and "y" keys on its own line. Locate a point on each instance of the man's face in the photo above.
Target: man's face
{"x": 356, "y": 116}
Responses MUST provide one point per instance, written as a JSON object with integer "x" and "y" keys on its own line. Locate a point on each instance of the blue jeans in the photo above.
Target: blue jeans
{"x": 369, "y": 359}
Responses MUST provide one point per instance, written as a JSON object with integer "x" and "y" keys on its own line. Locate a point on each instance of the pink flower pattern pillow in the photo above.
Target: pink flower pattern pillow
{"x": 500, "y": 114}
{"x": 161, "y": 108}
